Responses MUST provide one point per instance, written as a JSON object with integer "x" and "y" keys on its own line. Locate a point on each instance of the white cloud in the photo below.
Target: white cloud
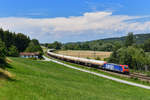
{"x": 94, "y": 23}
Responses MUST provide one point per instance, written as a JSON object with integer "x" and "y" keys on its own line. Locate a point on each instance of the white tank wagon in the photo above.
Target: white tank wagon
{"x": 77, "y": 59}
{"x": 92, "y": 63}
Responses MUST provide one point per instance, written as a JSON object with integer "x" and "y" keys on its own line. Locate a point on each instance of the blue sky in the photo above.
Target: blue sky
{"x": 65, "y": 8}
{"x": 75, "y": 20}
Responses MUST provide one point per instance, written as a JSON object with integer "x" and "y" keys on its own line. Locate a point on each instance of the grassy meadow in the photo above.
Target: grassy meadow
{"x": 39, "y": 80}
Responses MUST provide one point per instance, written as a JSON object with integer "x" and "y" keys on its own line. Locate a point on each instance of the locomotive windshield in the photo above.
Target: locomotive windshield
{"x": 125, "y": 67}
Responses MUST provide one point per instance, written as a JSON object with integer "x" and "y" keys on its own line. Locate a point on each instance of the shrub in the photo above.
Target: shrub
{"x": 98, "y": 58}
{"x": 87, "y": 57}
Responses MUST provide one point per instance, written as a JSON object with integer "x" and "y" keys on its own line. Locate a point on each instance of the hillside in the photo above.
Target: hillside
{"x": 37, "y": 80}
{"x": 140, "y": 38}
{"x": 103, "y": 44}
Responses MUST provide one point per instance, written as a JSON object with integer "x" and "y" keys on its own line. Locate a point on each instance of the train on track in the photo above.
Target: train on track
{"x": 91, "y": 62}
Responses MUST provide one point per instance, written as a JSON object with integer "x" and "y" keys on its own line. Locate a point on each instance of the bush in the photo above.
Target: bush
{"x": 87, "y": 57}
{"x": 98, "y": 58}
{"x": 106, "y": 59}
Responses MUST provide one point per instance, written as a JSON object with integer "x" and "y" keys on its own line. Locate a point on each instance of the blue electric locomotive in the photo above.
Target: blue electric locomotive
{"x": 115, "y": 67}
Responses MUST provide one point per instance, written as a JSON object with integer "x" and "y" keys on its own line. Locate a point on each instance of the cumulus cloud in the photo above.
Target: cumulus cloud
{"x": 76, "y": 28}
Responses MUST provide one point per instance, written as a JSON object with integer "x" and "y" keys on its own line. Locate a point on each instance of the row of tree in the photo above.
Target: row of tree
{"x": 11, "y": 44}
{"x": 132, "y": 54}
{"x": 104, "y": 44}
{"x": 127, "y": 51}
{"x": 20, "y": 41}
{"x": 2, "y": 54}
{"x": 56, "y": 45}
{"x": 99, "y": 46}
{"x": 34, "y": 46}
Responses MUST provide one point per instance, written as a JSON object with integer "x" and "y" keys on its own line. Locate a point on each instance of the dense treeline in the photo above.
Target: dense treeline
{"x": 128, "y": 51}
{"x": 34, "y": 46}
{"x": 20, "y": 41}
{"x": 95, "y": 45}
{"x": 132, "y": 54}
{"x": 11, "y": 44}
{"x": 99, "y": 45}
{"x": 2, "y": 54}
{"x": 56, "y": 45}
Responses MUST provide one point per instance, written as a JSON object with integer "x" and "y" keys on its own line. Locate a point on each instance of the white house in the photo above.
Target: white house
{"x": 29, "y": 54}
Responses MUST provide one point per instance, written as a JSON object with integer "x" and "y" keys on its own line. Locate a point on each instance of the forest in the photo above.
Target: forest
{"x": 11, "y": 44}
{"x": 100, "y": 45}
{"x": 132, "y": 50}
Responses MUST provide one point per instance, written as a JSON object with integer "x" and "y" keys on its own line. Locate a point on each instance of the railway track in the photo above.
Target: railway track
{"x": 131, "y": 75}
{"x": 140, "y": 76}
{"x": 100, "y": 75}
{"x": 100, "y": 69}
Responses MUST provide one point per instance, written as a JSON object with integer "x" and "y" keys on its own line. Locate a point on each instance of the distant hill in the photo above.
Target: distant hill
{"x": 140, "y": 38}
{"x": 103, "y": 44}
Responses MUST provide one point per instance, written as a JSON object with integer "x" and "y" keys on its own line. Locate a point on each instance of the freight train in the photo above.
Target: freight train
{"x": 91, "y": 62}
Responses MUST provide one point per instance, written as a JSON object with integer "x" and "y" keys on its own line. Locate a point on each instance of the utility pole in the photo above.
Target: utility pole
{"x": 94, "y": 54}
{"x": 79, "y": 54}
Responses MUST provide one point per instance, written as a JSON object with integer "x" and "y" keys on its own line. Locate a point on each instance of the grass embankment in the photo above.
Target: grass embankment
{"x": 132, "y": 79}
{"x": 37, "y": 80}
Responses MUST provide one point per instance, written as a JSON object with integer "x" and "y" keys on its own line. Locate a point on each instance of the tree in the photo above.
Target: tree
{"x": 107, "y": 47}
{"x": 146, "y": 46}
{"x": 34, "y": 46}
{"x": 36, "y": 42}
{"x": 113, "y": 57}
{"x": 19, "y": 40}
{"x": 134, "y": 57}
{"x": 129, "y": 40}
{"x": 116, "y": 46}
{"x": 83, "y": 46}
{"x": 56, "y": 45}
{"x": 2, "y": 53}
{"x": 13, "y": 51}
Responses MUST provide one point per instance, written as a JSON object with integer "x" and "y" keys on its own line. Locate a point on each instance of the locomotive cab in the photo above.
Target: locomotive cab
{"x": 125, "y": 69}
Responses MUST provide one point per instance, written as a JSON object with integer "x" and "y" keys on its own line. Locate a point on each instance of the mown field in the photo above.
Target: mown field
{"x": 37, "y": 80}
{"x": 86, "y": 54}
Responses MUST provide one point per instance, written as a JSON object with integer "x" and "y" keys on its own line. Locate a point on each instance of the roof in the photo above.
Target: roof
{"x": 29, "y": 53}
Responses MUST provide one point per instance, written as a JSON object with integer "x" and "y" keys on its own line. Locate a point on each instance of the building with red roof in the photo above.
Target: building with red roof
{"x": 29, "y": 54}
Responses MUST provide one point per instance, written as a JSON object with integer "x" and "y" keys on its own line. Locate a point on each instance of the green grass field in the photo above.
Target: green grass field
{"x": 37, "y": 80}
